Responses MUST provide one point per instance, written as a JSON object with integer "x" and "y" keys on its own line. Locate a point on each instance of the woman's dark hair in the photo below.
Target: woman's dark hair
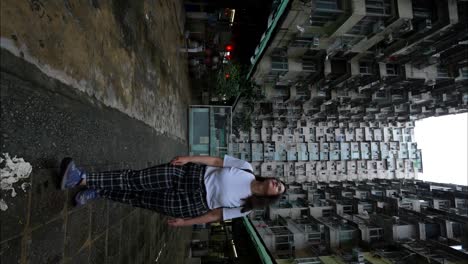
{"x": 261, "y": 201}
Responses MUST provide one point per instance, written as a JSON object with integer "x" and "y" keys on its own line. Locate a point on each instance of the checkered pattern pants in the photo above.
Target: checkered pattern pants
{"x": 177, "y": 191}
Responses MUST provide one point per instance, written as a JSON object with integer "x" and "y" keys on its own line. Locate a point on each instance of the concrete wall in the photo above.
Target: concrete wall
{"x": 401, "y": 232}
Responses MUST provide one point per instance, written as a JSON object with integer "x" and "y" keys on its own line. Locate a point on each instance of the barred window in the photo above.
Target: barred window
{"x": 279, "y": 63}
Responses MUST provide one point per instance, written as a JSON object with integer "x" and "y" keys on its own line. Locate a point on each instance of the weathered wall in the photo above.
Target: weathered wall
{"x": 124, "y": 53}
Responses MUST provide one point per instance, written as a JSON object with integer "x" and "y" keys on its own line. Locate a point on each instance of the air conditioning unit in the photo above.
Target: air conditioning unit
{"x": 378, "y": 26}
{"x": 378, "y": 53}
{"x": 430, "y": 82}
{"x": 408, "y": 26}
{"x": 389, "y": 38}
{"x": 316, "y": 41}
{"x": 428, "y": 23}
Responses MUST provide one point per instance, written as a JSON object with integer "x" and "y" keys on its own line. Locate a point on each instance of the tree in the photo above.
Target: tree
{"x": 242, "y": 121}
{"x": 231, "y": 81}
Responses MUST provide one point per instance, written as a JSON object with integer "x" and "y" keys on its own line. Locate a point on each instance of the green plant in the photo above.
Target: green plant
{"x": 242, "y": 121}
{"x": 231, "y": 81}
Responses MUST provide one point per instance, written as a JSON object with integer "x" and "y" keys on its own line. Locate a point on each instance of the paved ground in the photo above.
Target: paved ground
{"x": 43, "y": 121}
{"x": 103, "y": 112}
{"x": 124, "y": 53}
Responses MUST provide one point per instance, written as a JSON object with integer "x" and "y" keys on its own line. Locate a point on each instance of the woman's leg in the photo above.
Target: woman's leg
{"x": 155, "y": 178}
{"x": 171, "y": 203}
{"x": 121, "y": 196}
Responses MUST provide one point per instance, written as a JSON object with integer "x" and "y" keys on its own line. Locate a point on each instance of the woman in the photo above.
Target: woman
{"x": 192, "y": 189}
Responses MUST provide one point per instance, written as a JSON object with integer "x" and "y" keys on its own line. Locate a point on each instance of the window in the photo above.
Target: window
{"x": 375, "y": 232}
{"x": 313, "y": 260}
{"x": 442, "y": 72}
{"x": 379, "y": 7}
{"x": 346, "y": 235}
{"x": 326, "y": 212}
{"x": 309, "y": 64}
{"x": 443, "y": 205}
{"x": 364, "y": 68}
{"x": 348, "y": 209}
{"x": 282, "y": 247}
{"x": 457, "y": 229}
{"x": 314, "y": 237}
{"x": 279, "y": 64}
{"x": 327, "y": 4}
{"x": 306, "y": 41}
{"x": 461, "y": 204}
{"x": 463, "y": 72}
{"x": 282, "y": 239}
{"x": 392, "y": 69}
{"x": 378, "y": 193}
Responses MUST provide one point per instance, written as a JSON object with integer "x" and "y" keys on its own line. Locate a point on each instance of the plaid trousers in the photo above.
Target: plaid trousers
{"x": 177, "y": 191}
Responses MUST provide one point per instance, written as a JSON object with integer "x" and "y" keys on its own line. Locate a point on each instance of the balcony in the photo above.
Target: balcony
{"x": 380, "y": 96}
{"x": 358, "y": 97}
{"x": 314, "y": 260}
{"x": 336, "y": 71}
{"x": 397, "y": 98}
{"x": 318, "y": 95}
{"x": 284, "y": 241}
{"x": 302, "y": 43}
{"x": 415, "y": 109}
{"x": 402, "y": 108}
{"x": 421, "y": 98}
{"x": 372, "y": 110}
{"x": 462, "y": 75}
{"x": 324, "y": 12}
{"x": 279, "y": 64}
{"x": 378, "y": 7}
{"x": 309, "y": 66}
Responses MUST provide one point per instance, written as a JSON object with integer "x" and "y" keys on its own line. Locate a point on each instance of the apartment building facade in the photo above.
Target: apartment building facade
{"x": 386, "y": 217}
{"x": 344, "y": 83}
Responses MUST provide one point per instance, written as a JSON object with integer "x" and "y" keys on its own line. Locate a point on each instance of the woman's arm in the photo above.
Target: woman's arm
{"x": 210, "y": 161}
{"x": 214, "y": 215}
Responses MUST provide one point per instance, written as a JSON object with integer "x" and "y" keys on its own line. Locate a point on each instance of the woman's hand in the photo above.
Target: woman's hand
{"x": 175, "y": 222}
{"x": 214, "y": 215}
{"x": 210, "y": 161}
{"x": 179, "y": 161}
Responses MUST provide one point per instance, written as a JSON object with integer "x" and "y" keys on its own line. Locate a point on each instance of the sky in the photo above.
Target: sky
{"x": 250, "y": 23}
{"x": 444, "y": 146}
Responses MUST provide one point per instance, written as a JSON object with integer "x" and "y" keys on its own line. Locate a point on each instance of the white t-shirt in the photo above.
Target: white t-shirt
{"x": 227, "y": 186}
